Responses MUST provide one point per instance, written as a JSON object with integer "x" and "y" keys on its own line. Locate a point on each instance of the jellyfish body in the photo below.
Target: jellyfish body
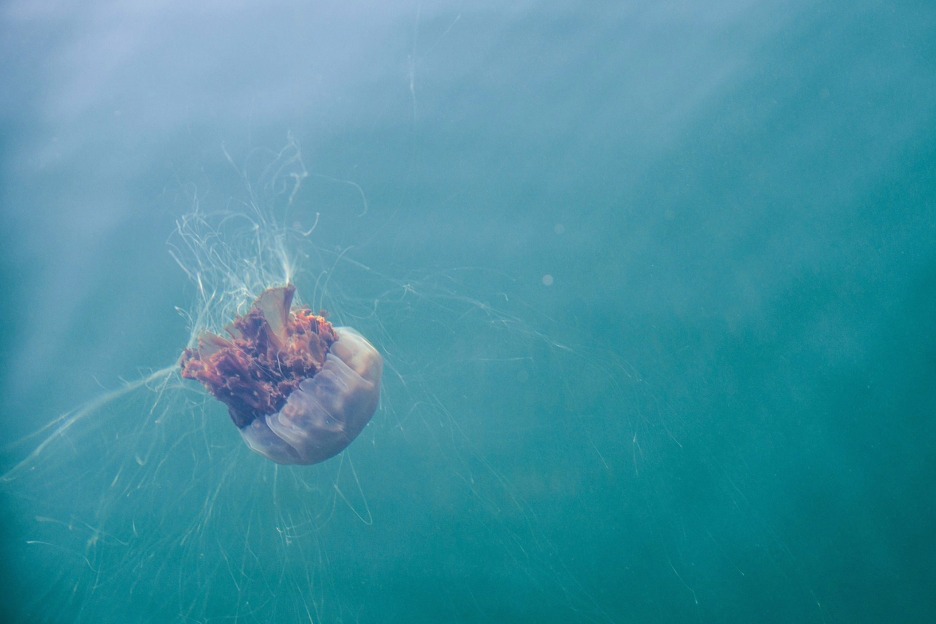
{"x": 327, "y": 411}
{"x": 299, "y": 389}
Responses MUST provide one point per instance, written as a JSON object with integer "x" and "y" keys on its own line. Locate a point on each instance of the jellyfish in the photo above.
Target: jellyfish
{"x": 133, "y": 502}
{"x": 299, "y": 389}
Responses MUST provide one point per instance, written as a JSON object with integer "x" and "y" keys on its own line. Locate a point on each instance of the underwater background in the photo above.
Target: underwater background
{"x": 655, "y": 284}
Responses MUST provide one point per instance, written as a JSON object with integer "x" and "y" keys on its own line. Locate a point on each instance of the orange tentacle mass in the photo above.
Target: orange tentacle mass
{"x": 270, "y": 351}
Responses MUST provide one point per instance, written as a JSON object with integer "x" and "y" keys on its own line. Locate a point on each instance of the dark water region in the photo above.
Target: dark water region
{"x": 653, "y": 283}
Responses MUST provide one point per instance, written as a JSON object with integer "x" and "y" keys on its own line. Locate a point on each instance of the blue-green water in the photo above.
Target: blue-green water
{"x": 654, "y": 283}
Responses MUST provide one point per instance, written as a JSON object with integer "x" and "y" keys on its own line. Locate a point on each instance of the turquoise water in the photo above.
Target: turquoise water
{"x": 654, "y": 284}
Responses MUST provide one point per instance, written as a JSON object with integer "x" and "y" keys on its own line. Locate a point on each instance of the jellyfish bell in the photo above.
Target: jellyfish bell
{"x": 298, "y": 389}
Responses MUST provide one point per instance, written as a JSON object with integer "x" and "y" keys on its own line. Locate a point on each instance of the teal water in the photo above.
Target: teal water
{"x": 654, "y": 283}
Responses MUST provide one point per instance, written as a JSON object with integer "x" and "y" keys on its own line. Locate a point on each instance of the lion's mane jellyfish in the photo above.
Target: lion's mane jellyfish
{"x": 299, "y": 389}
